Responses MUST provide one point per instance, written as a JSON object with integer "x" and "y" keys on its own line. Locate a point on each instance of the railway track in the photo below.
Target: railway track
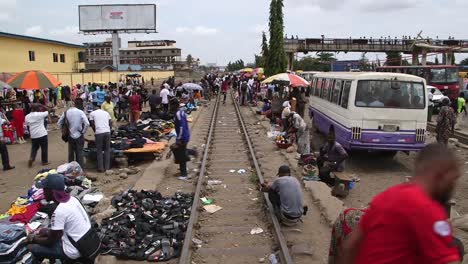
{"x": 462, "y": 138}
{"x": 226, "y": 237}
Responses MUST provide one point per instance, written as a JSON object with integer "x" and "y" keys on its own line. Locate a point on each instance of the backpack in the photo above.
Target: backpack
{"x": 244, "y": 87}
{"x": 65, "y": 128}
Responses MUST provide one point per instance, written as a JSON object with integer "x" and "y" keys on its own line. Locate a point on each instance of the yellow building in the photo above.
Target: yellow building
{"x": 21, "y": 53}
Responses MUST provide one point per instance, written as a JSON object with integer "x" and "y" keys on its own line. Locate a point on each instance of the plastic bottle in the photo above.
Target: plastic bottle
{"x": 273, "y": 259}
{"x": 214, "y": 182}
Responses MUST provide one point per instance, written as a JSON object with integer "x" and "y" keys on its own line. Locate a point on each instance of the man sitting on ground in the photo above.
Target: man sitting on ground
{"x": 332, "y": 158}
{"x": 285, "y": 194}
{"x": 69, "y": 220}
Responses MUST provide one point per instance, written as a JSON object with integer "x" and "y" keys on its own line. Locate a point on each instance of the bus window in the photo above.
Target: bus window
{"x": 390, "y": 94}
{"x": 331, "y": 86}
{"x": 337, "y": 92}
{"x": 325, "y": 85}
{"x": 318, "y": 87}
{"x": 345, "y": 94}
{"x": 313, "y": 85}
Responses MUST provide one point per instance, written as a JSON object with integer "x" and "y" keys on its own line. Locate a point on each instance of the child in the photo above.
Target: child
{"x": 8, "y": 130}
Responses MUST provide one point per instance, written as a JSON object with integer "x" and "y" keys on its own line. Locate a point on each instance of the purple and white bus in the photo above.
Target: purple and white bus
{"x": 369, "y": 110}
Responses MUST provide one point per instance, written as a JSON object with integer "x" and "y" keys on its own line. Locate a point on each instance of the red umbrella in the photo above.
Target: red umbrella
{"x": 33, "y": 80}
{"x": 292, "y": 79}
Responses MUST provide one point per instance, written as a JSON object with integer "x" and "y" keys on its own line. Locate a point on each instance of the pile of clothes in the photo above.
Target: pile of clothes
{"x": 31, "y": 212}
{"x": 146, "y": 226}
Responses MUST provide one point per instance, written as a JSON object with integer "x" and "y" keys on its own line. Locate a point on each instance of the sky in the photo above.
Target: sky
{"x": 219, "y": 31}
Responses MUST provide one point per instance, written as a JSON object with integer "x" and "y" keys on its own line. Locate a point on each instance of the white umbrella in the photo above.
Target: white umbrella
{"x": 192, "y": 86}
{"x": 4, "y": 85}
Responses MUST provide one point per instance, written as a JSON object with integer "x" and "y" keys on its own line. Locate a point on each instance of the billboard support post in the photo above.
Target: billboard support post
{"x": 115, "y": 49}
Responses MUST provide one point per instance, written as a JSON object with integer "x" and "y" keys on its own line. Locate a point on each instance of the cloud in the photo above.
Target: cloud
{"x": 7, "y": 9}
{"x": 201, "y": 30}
{"x": 259, "y": 28}
{"x": 182, "y": 29}
{"x": 316, "y": 4}
{"x": 67, "y": 30}
{"x": 198, "y": 30}
{"x": 33, "y": 31}
{"x": 387, "y": 5}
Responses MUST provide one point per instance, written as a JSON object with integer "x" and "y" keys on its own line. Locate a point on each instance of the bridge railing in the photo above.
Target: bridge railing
{"x": 364, "y": 44}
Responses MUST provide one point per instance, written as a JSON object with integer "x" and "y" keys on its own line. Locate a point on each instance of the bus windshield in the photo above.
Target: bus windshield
{"x": 447, "y": 75}
{"x": 390, "y": 94}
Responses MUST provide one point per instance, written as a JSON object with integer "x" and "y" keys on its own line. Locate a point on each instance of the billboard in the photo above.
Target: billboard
{"x": 108, "y": 18}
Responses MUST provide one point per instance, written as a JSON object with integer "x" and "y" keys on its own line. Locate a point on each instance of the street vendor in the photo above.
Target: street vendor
{"x": 69, "y": 221}
{"x": 298, "y": 126}
{"x": 332, "y": 158}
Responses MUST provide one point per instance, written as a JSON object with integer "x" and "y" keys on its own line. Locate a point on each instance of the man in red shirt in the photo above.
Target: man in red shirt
{"x": 134, "y": 101}
{"x": 407, "y": 223}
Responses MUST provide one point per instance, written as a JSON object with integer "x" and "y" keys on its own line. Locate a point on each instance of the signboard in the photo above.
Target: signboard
{"x": 109, "y": 18}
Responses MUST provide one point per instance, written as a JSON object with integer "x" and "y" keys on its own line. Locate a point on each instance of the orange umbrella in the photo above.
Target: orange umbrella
{"x": 32, "y": 80}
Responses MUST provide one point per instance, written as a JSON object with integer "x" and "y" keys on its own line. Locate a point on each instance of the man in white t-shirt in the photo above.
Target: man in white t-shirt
{"x": 69, "y": 220}
{"x": 164, "y": 94}
{"x": 100, "y": 121}
{"x": 38, "y": 133}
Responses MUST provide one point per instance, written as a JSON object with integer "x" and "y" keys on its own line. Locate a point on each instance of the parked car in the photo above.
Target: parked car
{"x": 437, "y": 97}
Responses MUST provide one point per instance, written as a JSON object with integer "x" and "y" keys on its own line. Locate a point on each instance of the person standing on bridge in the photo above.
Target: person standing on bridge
{"x": 446, "y": 121}
{"x": 408, "y": 223}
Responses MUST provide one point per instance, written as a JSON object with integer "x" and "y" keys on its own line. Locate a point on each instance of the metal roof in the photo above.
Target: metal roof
{"x": 56, "y": 42}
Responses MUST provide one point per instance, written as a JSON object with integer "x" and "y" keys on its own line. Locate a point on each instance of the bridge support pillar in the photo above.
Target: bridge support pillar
{"x": 414, "y": 60}
{"x": 449, "y": 58}
{"x": 290, "y": 57}
{"x": 424, "y": 57}
{"x": 444, "y": 58}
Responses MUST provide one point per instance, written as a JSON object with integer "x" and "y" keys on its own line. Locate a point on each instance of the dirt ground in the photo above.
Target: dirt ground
{"x": 16, "y": 182}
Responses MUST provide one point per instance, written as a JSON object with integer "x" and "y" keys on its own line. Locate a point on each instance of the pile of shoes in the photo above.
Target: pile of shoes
{"x": 146, "y": 226}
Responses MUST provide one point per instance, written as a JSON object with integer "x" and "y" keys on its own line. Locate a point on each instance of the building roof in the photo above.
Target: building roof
{"x": 56, "y": 42}
{"x": 150, "y": 48}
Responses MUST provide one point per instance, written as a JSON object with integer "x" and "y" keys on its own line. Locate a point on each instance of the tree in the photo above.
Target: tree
{"x": 265, "y": 51}
{"x": 235, "y": 66}
{"x": 259, "y": 62}
{"x": 452, "y": 58}
{"x": 326, "y": 57}
{"x": 276, "y": 60}
{"x": 393, "y": 58}
{"x": 312, "y": 64}
{"x": 189, "y": 60}
{"x": 364, "y": 63}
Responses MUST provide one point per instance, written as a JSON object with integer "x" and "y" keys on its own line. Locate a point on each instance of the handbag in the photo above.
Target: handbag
{"x": 88, "y": 245}
{"x": 65, "y": 128}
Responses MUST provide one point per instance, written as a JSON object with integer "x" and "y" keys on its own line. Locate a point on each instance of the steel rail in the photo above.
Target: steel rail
{"x": 186, "y": 252}
{"x": 284, "y": 250}
{"x": 462, "y": 138}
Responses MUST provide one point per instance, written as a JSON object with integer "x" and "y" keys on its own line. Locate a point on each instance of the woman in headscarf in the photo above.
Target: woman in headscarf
{"x": 346, "y": 222}
{"x": 446, "y": 121}
{"x": 302, "y": 133}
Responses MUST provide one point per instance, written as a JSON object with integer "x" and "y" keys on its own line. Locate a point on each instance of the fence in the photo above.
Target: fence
{"x": 105, "y": 77}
